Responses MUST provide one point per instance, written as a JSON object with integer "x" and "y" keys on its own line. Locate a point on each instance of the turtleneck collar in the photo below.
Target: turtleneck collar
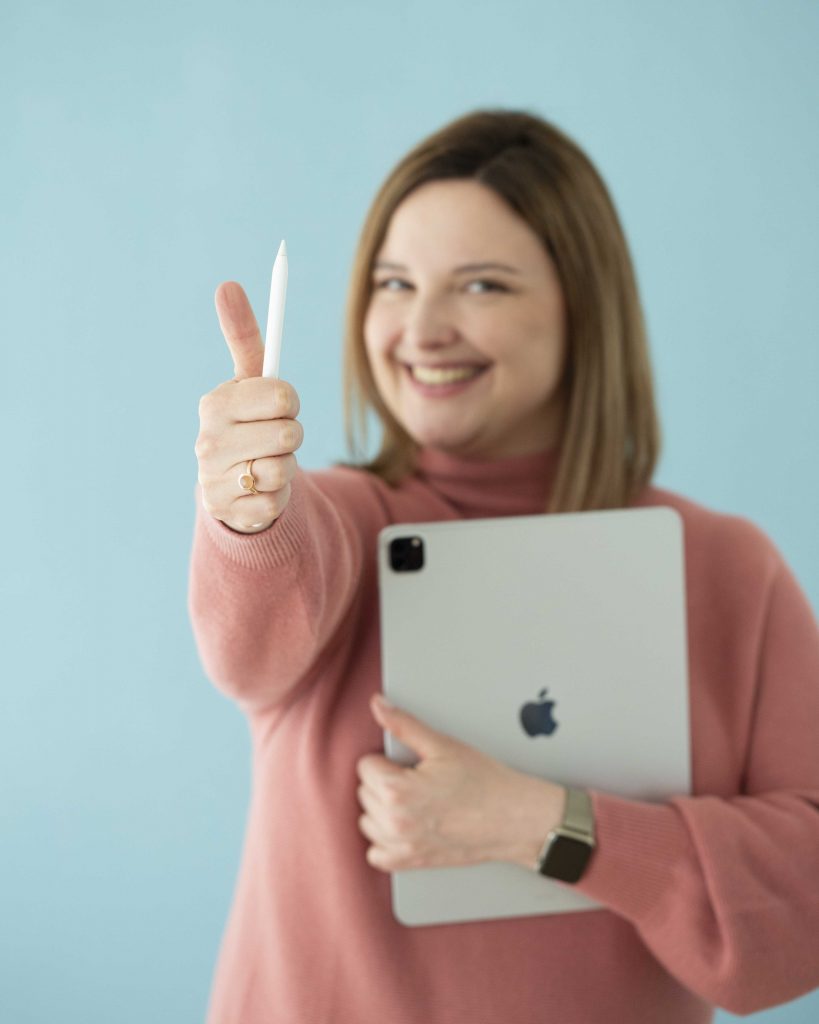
{"x": 483, "y": 488}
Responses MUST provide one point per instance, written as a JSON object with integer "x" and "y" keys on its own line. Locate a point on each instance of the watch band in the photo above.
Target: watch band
{"x": 577, "y": 814}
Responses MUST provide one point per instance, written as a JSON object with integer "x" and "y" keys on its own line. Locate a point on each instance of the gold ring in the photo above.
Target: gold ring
{"x": 247, "y": 481}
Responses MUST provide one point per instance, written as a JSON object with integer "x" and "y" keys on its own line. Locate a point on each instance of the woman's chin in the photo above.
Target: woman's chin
{"x": 453, "y": 442}
{"x": 429, "y": 437}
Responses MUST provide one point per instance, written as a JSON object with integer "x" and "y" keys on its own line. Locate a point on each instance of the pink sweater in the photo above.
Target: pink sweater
{"x": 710, "y": 899}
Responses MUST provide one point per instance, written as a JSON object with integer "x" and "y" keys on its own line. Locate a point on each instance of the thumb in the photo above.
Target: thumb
{"x": 408, "y": 729}
{"x": 240, "y": 330}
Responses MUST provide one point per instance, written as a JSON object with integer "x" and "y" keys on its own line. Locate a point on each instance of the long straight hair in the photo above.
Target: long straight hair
{"x": 610, "y": 437}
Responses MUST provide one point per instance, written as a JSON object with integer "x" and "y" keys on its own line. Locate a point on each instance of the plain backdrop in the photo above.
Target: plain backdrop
{"x": 152, "y": 150}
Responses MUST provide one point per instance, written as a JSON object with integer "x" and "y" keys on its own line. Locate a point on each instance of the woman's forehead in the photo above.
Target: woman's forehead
{"x": 455, "y": 223}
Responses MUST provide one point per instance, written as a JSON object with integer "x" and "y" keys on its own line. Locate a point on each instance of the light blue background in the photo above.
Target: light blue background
{"x": 153, "y": 150}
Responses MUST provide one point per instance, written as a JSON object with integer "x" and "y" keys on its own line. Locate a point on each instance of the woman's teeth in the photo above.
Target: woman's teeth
{"x": 430, "y": 375}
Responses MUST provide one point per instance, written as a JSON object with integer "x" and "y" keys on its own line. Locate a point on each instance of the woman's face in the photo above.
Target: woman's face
{"x": 465, "y": 330}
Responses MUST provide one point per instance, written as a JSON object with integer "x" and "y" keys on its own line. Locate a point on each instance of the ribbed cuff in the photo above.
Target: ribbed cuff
{"x": 270, "y": 549}
{"x": 641, "y": 849}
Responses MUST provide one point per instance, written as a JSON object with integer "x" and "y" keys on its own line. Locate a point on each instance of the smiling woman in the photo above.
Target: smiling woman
{"x": 494, "y": 326}
{"x": 513, "y": 199}
{"x": 498, "y": 345}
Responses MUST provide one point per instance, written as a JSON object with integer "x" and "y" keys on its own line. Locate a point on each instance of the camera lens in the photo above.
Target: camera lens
{"x": 406, "y": 554}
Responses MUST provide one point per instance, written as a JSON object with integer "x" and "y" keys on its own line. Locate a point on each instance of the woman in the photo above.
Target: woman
{"x": 494, "y": 327}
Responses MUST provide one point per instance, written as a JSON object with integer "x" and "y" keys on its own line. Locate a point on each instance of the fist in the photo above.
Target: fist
{"x": 248, "y": 417}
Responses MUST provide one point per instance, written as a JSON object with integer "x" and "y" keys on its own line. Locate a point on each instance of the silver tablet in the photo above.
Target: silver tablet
{"x": 555, "y": 643}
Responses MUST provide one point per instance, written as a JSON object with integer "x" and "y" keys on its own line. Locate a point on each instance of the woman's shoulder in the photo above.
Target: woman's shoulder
{"x": 721, "y": 539}
{"x": 349, "y": 490}
{"x": 358, "y": 489}
{"x": 348, "y": 482}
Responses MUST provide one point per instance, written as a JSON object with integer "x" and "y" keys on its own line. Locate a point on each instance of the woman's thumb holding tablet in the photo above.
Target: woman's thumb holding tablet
{"x": 240, "y": 330}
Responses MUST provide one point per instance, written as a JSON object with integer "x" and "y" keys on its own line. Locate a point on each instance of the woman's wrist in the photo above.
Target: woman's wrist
{"x": 538, "y": 809}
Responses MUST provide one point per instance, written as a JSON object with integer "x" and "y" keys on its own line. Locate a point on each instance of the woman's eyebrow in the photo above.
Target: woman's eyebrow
{"x": 467, "y": 268}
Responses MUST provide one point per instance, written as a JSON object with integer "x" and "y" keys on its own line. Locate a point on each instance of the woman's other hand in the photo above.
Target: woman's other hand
{"x": 456, "y": 806}
{"x": 248, "y": 417}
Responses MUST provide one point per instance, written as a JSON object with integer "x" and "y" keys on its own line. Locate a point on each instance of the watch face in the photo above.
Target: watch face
{"x": 566, "y": 859}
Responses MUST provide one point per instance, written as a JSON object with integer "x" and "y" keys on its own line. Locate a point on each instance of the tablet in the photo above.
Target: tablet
{"x": 555, "y": 643}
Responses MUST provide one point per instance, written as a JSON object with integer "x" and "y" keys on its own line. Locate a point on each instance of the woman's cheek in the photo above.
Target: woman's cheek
{"x": 377, "y": 331}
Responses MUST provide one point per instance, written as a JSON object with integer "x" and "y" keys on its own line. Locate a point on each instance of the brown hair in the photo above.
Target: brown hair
{"x": 611, "y": 433}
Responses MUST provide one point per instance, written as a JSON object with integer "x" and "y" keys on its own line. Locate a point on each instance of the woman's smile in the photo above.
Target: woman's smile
{"x": 444, "y": 380}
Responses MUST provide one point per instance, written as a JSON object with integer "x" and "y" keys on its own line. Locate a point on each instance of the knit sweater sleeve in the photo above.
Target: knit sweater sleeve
{"x": 724, "y": 889}
{"x": 265, "y": 607}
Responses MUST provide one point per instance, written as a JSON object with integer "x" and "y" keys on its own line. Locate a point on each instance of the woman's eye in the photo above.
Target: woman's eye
{"x": 486, "y": 286}
{"x": 391, "y": 284}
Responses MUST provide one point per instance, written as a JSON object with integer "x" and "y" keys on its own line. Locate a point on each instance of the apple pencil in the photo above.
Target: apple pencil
{"x": 275, "y": 314}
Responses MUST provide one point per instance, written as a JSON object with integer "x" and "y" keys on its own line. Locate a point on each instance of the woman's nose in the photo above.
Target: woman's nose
{"x": 429, "y": 323}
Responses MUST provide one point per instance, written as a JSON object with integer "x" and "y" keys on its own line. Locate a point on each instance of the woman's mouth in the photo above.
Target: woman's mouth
{"x": 442, "y": 381}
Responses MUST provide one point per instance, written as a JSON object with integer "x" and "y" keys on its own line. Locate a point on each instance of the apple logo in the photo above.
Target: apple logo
{"x": 537, "y": 719}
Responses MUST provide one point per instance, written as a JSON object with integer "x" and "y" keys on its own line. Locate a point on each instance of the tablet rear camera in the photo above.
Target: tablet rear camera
{"x": 407, "y": 554}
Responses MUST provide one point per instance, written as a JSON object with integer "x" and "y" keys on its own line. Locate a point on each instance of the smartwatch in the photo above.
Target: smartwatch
{"x": 568, "y": 847}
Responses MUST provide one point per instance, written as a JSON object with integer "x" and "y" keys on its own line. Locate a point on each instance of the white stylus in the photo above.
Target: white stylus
{"x": 275, "y": 314}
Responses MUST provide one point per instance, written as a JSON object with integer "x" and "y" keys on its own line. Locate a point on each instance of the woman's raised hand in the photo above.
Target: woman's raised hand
{"x": 248, "y": 417}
